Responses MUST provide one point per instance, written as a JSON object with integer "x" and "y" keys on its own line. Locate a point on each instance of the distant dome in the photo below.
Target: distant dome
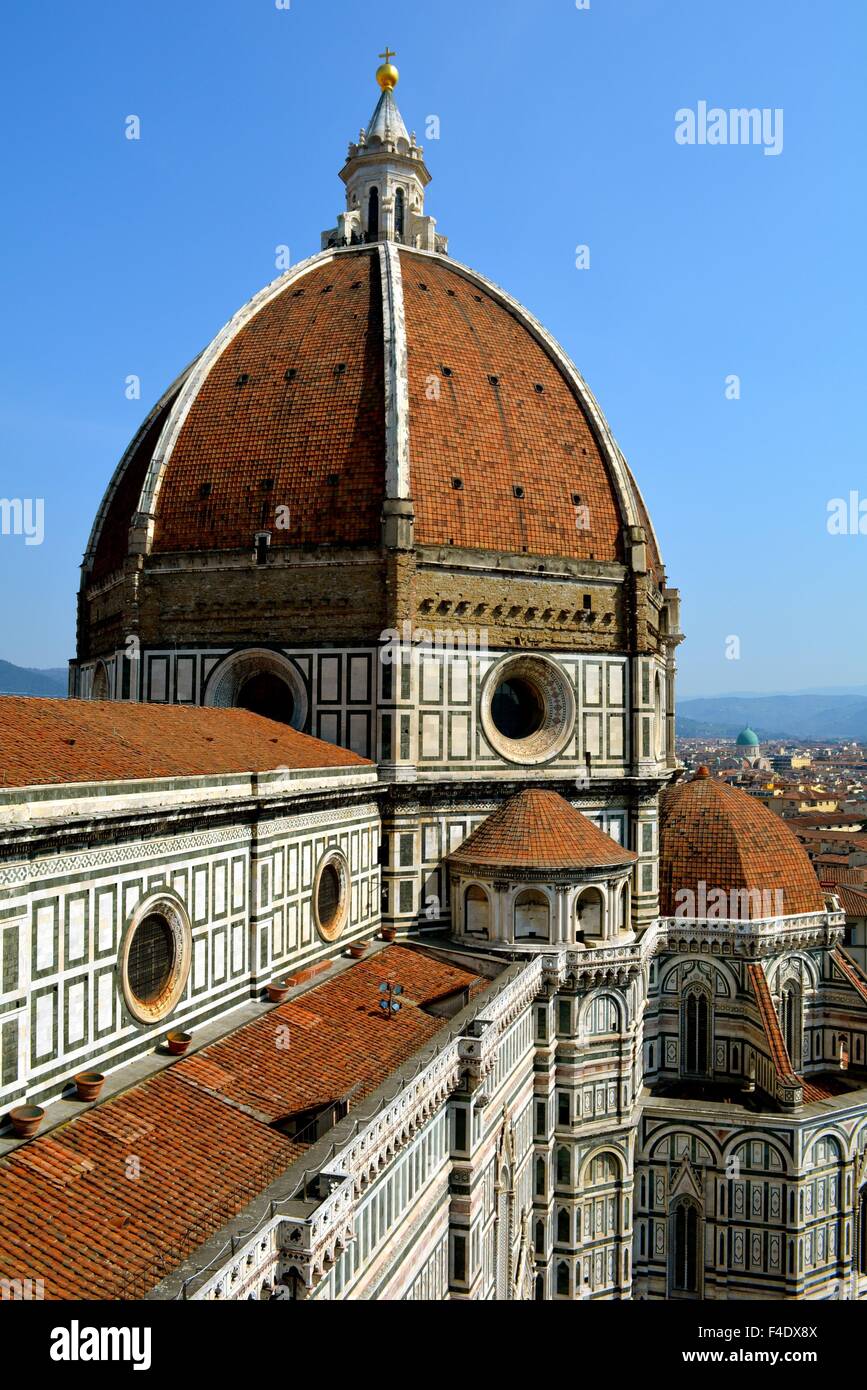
{"x": 715, "y": 837}
{"x": 747, "y": 739}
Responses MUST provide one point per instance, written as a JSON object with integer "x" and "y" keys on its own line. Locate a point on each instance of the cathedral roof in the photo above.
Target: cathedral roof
{"x": 747, "y": 738}
{"x": 367, "y": 373}
{"x": 47, "y": 741}
{"x": 65, "y": 1207}
{"x": 540, "y": 830}
{"x": 719, "y": 837}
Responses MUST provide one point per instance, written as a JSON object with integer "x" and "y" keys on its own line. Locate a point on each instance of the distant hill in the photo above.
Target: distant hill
{"x": 19, "y": 680}
{"x": 819, "y": 716}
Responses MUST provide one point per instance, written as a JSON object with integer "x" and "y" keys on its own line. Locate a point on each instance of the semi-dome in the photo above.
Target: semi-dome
{"x": 747, "y": 738}
{"x": 716, "y": 840}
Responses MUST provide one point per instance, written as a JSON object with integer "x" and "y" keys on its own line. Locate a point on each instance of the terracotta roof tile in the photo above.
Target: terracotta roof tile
{"x": 249, "y": 426}
{"x": 75, "y": 1212}
{"x": 497, "y": 434}
{"x": 47, "y": 741}
{"x": 771, "y": 1026}
{"x": 719, "y": 836}
{"x": 539, "y": 829}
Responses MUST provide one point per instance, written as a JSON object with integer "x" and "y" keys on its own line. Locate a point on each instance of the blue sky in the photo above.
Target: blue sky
{"x": 557, "y": 129}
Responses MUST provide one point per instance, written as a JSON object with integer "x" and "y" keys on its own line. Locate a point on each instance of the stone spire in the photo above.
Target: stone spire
{"x": 385, "y": 177}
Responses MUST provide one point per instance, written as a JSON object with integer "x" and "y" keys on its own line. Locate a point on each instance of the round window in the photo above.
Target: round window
{"x": 155, "y": 957}
{"x": 527, "y": 709}
{"x": 331, "y": 895}
{"x": 268, "y": 695}
{"x": 151, "y": 959}
{"x": 517, "y": 708}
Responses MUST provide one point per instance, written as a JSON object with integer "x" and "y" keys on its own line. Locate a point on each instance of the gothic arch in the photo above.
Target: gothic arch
{"x": 798, "y": 965}
{"x": 685, "y": 1247}
{"x": 696, "y": 1029}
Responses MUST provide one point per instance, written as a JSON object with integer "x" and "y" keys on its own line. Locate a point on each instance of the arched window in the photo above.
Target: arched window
{"x": 373, "y": 215}
{"x": 99, "y": 689}
{"x": 532, "y": 916}
{"x": 695, "y": 1030}
{"x": 477, "y": 911}
{"x": 540, "y": 1288}
{"x": 590, "y": 913}
{"x": 685, "y": 1247}
{"x": 563, "y": 1224}
{"x": 862, "y": 1230}
{"x": 540, "y": 1177}
{"x": 563, "y": 1279}
{"x": 540, "y": 1238}
{"x": 790, "y": 1021}
{"x": 399, "y": 213}
{"x": 564, "y": 1165}
{"x": 623, "y": 909}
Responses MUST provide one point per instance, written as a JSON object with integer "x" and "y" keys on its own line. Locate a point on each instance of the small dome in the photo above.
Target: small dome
{"x": 714, "y": 837}
{"x": 747, "y": 738}
{"x": 540, "y": 830}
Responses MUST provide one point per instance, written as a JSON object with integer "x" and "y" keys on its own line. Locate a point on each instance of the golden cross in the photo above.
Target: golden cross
{"x": 387, "y": 54}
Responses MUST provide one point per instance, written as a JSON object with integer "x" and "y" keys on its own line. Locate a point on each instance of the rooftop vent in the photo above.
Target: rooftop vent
{"x": 494, "y": 380}
{"x": 518, "y": 491}
{"x": 242, "y": 379}
{"x": 538, "y": 388}
{"x": 457, "y": 484}
{"x": 446, "y": 371}
{"x": 204, "y": 491}
{"x": 290, "y": 373}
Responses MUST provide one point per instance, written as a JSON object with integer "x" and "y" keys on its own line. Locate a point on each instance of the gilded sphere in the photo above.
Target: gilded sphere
{"x": 387, "y": 76}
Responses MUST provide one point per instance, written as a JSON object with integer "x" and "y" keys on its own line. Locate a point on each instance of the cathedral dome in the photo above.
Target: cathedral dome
{"x": 368, "y": 373}
{"x": 380, "y": 437}
{"x": 716, "y": 839}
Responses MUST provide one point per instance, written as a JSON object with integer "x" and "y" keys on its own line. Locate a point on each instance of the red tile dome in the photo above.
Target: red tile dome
{"x": 717, "y": 836}
{"x": 540, "y": 830}
{"x": 290, "y": 404}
